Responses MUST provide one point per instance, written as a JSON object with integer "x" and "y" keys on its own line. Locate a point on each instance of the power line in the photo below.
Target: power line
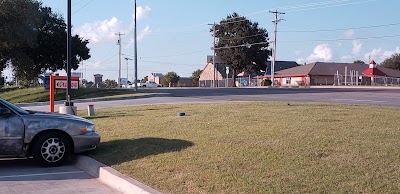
{"x": 165, "y": 62}
{"x": 83, "y": 6}
{"x": 242, "y": 37}
{"x": 300, "y": 7}
{"x": 189, "y": 53}
{"x": 242, "y": 45}
{"x": 345, "y": 39}
{"x": 330, "y": 6}
{"x": 342, "y": 29}
{"x": 77, "y": 3}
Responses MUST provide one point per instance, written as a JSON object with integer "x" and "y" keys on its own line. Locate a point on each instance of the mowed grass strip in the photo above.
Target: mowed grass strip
{"x": 39, "y": 94}
{"x": 254, "y": 147}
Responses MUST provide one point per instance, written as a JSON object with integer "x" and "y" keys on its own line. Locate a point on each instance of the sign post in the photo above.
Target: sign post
{"x": 60, "y": 82}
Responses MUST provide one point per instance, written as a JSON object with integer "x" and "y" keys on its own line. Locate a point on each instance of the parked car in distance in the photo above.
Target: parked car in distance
{"x": 149, "y": 84}
{"x": 50, "y": 138}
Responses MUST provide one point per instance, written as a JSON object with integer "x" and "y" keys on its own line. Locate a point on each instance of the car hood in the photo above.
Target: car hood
{"x": 50, "y": 115}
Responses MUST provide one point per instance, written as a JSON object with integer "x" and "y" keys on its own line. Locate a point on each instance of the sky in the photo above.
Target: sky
{"x": 174, "y": 35}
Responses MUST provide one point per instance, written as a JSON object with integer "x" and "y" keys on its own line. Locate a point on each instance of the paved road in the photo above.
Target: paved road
{"x": 24, "y": 176}
{"x": 370, "y": 96}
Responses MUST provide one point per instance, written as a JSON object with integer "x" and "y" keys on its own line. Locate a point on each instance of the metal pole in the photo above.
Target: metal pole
{"x": 214, "y": 55}
{"x": 345, "y": 75}
{"x": 69, "y": 56}
{"x": 136, "y": 76}
{"x": 127, "y": 67}
{"x": 119, "y": 59}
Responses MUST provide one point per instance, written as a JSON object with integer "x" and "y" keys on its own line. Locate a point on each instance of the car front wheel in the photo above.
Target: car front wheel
{"x": 51, "y": 149}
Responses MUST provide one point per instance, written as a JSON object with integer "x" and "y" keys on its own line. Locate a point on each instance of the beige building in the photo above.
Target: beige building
{"x": 322, "y": 73}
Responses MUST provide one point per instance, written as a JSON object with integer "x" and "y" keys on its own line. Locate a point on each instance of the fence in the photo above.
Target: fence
{"x": 338, "y": 80}
{"x": 240, "y": 82}
{"x": 386, "y": 81}
{"x": 355, "y": 80}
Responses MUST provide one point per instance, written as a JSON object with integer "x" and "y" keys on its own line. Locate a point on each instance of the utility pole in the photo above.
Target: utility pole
{"x": 213, "y": 83}
{"x": 127, "y": 67}
{"x": 119, "y": 34}
{"x": 136, "y": 76}
{"x": 275, "y": 21}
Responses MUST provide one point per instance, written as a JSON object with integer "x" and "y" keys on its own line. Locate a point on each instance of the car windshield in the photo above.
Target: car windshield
{"x": 15, "y": 107}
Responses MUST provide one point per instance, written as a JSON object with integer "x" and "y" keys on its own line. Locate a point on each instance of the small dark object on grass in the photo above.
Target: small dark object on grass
{"x": 180, "y": 114}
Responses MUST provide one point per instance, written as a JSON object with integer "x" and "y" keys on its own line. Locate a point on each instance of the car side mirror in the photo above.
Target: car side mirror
{"x": 5, "y": 111}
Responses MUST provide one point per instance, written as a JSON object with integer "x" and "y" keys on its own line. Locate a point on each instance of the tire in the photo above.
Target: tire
{"x": 144, "y": 86}
{"x": 51, "y": 149}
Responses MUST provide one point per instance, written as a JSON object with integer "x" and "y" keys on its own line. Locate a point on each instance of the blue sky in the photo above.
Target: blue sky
{"x": 174, "y": 35}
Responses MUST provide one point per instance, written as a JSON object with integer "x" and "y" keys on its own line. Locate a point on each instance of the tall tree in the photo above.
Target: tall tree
{"x": 392, "y": 62}
{"x": 242, "y": 44}
{"x": 46, "y": 47}
{"x": 196, "y": 76}
{"x": 17, "y": 19}
{"x": 170, "y": 79}
{"x": 359, "y": 62}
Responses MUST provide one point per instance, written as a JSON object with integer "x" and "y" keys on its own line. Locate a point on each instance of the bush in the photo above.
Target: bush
{"x": 266, "y": 82}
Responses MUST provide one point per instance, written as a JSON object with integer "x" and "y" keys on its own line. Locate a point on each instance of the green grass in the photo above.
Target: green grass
{"x": 256, "y": 147}
{"x": 39, "y": 94}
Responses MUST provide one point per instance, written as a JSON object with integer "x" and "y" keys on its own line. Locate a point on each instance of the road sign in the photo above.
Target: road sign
{"x": 62, "y": 84}
{"x": 77, "y": 74}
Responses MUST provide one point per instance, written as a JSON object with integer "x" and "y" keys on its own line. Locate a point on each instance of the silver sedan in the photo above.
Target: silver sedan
{"x": 50, "y": 138}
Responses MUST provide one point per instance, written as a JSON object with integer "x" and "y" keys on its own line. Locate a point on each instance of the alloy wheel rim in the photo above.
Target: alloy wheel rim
{"x": 52, "y": 150}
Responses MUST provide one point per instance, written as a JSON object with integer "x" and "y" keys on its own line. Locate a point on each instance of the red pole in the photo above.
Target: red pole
{"x": 51, "y": 93}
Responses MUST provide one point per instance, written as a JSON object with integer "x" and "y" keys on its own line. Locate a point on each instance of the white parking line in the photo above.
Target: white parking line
{"x": 42, "y": 174}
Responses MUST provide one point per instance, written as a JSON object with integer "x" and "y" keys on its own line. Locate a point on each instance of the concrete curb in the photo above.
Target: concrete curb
{"x": 112, "y": 178}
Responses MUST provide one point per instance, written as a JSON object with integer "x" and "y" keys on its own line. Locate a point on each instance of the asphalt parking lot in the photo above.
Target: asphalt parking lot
{"x": 25, "y": 176}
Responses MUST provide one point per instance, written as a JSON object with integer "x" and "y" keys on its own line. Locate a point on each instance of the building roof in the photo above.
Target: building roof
{"x": 390, "y": 72}
{"x": 281, "y": 65}
{"x": 323, "y": 68}
{"x": 370, "y": 72}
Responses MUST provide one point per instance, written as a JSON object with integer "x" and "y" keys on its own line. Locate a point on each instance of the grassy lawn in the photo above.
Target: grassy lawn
{"x": 39, "y": 94}
{"x": 255, "y": 147}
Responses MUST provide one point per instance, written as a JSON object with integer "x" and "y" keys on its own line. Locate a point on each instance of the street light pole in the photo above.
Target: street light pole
{"x": 136, "y": 71}
{"x": 127, "y": 67}
{"x": 69, "y": 56}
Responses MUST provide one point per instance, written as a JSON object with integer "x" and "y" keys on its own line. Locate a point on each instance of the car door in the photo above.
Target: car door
{"x": 11, "y": 132}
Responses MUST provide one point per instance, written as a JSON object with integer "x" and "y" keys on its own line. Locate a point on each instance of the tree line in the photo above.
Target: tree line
{"x": 33, "y": 40}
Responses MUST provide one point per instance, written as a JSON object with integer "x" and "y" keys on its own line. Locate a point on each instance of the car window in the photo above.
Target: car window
{"x": 6, "y": 104}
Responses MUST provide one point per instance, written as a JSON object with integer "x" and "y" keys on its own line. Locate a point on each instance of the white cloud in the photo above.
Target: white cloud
{"x": 374, "y": 54}
{"x": 105, "y": 30}
{"x": 379, "y": 55}
{"x": 321, "y": 52}
{"x": 357, "y": 46}
{"x": 100, "y": 30}
{"x": 348, "y": 33}
{"x": 142, "y": 12}
{"x": 146, "y": 31}
{"x": 301, "y": 61}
